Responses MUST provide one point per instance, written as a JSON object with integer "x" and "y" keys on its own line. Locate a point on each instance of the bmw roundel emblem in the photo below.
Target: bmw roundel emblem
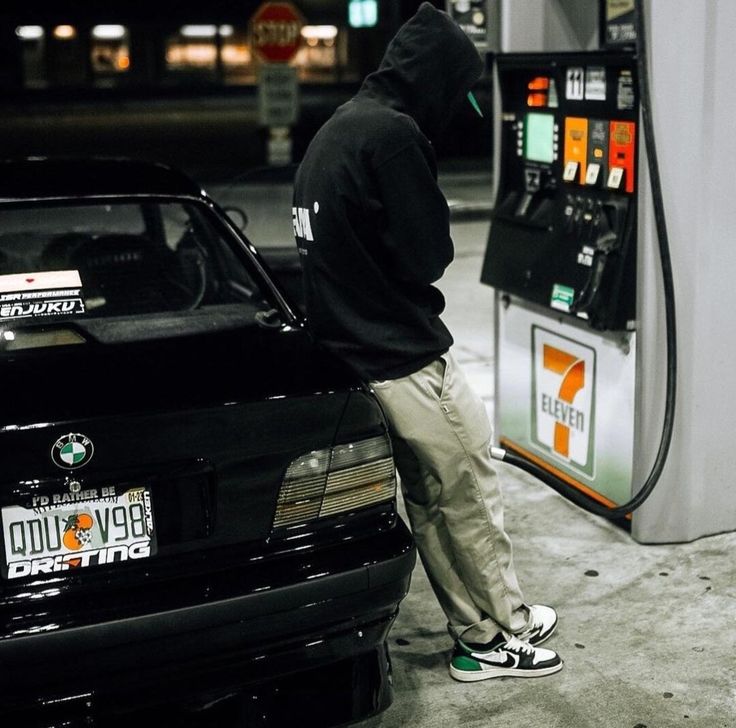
{"x": 72, "y": 451}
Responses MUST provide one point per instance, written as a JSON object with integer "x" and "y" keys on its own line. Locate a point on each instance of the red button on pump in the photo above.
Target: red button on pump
{"x": 622, "y": 150}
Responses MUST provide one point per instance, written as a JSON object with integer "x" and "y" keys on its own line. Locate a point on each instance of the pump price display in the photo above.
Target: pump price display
{"x": 58, "y": 533}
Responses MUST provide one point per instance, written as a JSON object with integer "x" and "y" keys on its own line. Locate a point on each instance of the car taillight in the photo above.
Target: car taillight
{"x": 327, "y": 482}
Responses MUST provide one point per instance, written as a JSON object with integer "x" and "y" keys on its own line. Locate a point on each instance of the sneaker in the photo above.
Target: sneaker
{"x": 504, "y": 656}
{"x": 543, "y": 624}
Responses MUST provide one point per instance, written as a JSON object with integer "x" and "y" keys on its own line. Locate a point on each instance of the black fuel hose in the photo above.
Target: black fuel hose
{"x": 619, "y": 512}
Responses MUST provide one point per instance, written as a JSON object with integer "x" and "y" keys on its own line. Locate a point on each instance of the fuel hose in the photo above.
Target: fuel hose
{"x": 620, "y": 512}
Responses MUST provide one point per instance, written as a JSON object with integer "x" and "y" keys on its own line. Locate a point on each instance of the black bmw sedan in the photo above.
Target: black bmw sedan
{"x": 197, "y": 504}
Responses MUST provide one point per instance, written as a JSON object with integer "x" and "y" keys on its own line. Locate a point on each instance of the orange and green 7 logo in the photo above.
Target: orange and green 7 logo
{"x": 572, "y": 371}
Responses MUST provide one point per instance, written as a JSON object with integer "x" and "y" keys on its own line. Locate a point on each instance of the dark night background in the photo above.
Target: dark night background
{"x": 56, "y": 101}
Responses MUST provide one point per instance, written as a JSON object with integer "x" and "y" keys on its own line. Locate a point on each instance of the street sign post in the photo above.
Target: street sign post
{"x": 276, "y": 34}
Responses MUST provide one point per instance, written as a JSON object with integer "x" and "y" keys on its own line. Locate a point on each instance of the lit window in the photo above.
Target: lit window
{"x": 319, "y": 59}
{"x": 190, "y": 55}
{"x": 238, "y": 66}
{"x": 192, "y": 49}
{"x": 110, "y": 53}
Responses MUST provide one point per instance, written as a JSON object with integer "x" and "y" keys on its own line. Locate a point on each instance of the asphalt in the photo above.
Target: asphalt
{"x": 647, "y": 633}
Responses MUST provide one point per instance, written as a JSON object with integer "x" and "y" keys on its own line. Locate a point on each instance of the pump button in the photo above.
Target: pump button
{"x": 592, "y": 173}
{"x": 615, "y": 178}
{"x": 570, "y": 172}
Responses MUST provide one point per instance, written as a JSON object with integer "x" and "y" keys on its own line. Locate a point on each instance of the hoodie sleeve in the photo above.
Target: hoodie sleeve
{"x": 417, "y": 234}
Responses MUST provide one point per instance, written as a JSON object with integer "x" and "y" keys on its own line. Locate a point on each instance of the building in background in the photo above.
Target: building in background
{"x": 91, "y": 45}
{"x": 107, "y": 63}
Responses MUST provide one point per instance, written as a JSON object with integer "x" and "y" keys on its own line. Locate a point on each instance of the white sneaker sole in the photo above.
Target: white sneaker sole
{"x": 491, "y": 672}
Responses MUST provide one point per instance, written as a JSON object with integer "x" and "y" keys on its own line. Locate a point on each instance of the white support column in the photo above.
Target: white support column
{"x": 691, "y": 56}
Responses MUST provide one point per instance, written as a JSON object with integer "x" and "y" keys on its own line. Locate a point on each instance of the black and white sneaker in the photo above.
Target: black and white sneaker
{"x": 504, "y": 656}
{"x": 543, "y": 624}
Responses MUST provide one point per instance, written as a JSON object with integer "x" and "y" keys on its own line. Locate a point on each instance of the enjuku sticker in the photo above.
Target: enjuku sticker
{"x": 40, "y": 295}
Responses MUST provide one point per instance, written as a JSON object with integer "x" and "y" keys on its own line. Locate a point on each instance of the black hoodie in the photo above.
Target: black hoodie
{"x": 371, "y": 224}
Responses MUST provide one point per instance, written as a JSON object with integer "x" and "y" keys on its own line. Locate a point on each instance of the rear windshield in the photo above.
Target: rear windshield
{"x": 118, "y": 270}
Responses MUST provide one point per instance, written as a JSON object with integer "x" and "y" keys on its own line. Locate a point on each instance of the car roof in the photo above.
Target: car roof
{"x": 49, "y": 178}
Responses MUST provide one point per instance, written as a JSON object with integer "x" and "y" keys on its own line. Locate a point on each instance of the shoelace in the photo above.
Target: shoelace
{"x": 514, "y": 643}
{"x": 536, "y": 619}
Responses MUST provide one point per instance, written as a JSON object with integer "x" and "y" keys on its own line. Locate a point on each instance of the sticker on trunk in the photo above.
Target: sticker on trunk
{"x": 46, "y": 294}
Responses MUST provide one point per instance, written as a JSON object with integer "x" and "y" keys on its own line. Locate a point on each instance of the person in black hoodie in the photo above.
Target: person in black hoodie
{"x": 372, "y": 229}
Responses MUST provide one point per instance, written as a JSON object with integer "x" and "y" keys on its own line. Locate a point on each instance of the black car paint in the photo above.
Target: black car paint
{"x": 76, "y": 179}
{"x": 214, "y": 418}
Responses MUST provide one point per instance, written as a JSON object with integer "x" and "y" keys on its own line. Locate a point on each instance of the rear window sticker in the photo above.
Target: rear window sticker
{"x": 40, "y": 295}
{"x": 43, "y": 280}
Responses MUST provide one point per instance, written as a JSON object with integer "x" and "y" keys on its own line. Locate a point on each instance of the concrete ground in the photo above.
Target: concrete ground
{"x": 647, "y": 633}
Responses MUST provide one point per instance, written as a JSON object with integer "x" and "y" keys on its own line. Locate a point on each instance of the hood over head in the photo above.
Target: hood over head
{"x": 428, "y": 68}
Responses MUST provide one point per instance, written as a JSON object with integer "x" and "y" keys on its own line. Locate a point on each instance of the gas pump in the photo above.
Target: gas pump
{"x": 562, "y": 254}
{"x": 589, "y": 358}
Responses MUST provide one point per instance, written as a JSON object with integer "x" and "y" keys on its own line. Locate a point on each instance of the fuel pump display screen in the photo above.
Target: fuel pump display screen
{"x": 539, "y": 138}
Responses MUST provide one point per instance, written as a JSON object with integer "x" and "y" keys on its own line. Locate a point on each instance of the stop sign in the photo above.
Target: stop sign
{"x": 276, "y": 31}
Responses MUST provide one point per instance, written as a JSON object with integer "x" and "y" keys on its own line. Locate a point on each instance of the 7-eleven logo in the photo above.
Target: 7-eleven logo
{"x": 563, "y": 380}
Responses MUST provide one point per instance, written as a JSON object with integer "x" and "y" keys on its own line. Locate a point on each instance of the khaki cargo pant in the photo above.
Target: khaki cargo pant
{"x": 441, "y": 435}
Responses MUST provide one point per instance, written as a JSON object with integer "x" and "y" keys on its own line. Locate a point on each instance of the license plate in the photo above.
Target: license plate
{"x": 73, "y": 535}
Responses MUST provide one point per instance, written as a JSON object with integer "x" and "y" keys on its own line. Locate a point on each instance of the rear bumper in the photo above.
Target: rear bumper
{"x": 206, "y": 650}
